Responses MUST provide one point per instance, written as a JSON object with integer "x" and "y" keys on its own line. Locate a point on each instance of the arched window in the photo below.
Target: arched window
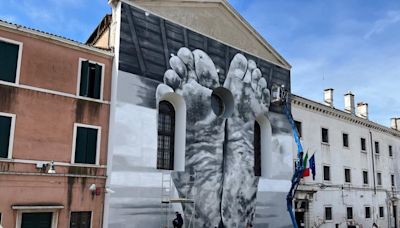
{"x": 166, "y": 134}
{"x": 257, "y": 149}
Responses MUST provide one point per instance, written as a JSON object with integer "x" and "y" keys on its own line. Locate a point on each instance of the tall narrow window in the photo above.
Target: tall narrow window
{"x": 91, "y": 76}
{"x": 328, "y": 213}
{"x": 377, "y": 147}
{"x": 327, "y": 175}
{"x": 5, "y": 134}
{"x": 381, "y": 212}
{"x": 379, "y": 177}
{"x": 365, "y": 177}
{"x": 166, "y": 134}
{"x": 345, "y": 140}
{"x": 363, "y": 145}
{"x": 392, "y": 180}
{"x": 80, "y": 219}
{"x": 349, "y": 213}
{"x": 257, "y": 149}
{"x": 298, "y": 128}
{"x": 324, "y": 136}
{"x": 86, "y": 145}
{"x": 8, "y": 61}
{"x": 347, "y": 176}
{"x": 367, "y": 212}
{"x": 390, "y": 151}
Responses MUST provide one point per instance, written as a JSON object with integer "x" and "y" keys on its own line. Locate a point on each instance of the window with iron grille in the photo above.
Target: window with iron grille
{"x": 80, "y": 219}
{"x": 257, "y": 149}
{"x": 166, "y": 134}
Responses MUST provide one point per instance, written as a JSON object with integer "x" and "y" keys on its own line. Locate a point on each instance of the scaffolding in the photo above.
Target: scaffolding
{"x": 168, "y": 199}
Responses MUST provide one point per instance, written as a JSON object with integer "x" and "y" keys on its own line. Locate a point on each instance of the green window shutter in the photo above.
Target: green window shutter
{"x": 84, "y": 84}
{"x": 91, "y": 146}
{"x": 80, "y": 145}
{"x": 5, "y": 129}
{"x": 97, "y": 82}
{"x": 37, "y": 220}
{"x": 8, "y": 61}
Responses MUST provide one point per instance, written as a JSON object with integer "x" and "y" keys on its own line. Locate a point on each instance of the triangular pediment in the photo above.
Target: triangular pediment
{"x": 216, "y": 19}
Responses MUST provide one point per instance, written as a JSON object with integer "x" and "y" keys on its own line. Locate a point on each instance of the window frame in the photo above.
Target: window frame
{"x": 300, "y": 132}
{"x": 323, "y": 173}
{"x": 347, "y": 213}
{"x": 98, "y": 144}
{"x": 173, "y": 132}
{"x": 365, "y": 212}
{"x": 366, "y": 171}
{"x": 383, "y": 212}
{"x": 91, "y": 217}
{"x": 12, "y": 134}
{"x": 54, "y": 219}
{"x": 348, "y": 140}
{"x": 325, "y": 219}
{"x": 390, "y": 148}
{"x": 344, "y": 171}
{"x": 365, "y": 145}
{"x": 19, "y": 61}
{"x": 78, "y": 84}
{"x": 377, "y": 145}
{"x": 327, "y": 133}
{"x": 379, "y": 179}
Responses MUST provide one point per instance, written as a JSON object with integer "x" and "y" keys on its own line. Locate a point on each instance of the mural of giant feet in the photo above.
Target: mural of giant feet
{"x": 219, "y": 150}
{"x": 194, "y": 76}
{"x": 251, "y": 98}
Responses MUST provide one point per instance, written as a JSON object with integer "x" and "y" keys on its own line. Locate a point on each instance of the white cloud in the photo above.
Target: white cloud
{"x": 391, "y": 17}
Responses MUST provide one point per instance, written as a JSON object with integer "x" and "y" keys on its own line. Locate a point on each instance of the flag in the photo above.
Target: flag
{"x": 306, "y": 172}
{"x": 312, "y": 166}
{"x": 305, "y": 161}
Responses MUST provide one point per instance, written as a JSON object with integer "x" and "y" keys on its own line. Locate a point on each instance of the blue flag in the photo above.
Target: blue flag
{"x": 312, "y": 166}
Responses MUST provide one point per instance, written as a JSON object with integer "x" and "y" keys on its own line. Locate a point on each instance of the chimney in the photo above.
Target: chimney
{"x": 349, "y": 103}
{"x": 328, "y": 97}
{"x": 362, "y": 110}
{"x": 395, "y": 123}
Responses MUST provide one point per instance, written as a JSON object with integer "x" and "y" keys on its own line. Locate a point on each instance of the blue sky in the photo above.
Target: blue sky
{"x": 347, "y": 45}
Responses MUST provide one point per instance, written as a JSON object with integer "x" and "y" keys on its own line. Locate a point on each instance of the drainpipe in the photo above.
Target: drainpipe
{"x": 373, "y": 160}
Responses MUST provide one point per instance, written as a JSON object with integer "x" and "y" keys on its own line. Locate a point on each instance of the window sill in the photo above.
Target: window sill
{"x": 325, "y": 143}
{"x": 100, "y": 100}
{"x": 364, "y": 151}
{"x": 346, "y": 147}
{"x": 87, "y": 165}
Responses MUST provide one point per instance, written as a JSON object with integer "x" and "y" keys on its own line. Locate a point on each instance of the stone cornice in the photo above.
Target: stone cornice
{"x": 341, "y": 115}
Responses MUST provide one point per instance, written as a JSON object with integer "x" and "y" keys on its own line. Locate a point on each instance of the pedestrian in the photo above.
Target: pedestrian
{"x": 178, "y": 221}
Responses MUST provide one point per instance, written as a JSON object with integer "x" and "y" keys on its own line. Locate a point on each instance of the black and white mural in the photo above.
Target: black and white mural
{"x": 231, "y": 155}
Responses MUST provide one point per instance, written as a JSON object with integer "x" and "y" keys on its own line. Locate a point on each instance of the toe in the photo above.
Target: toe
{"x": 205, "y": 70}
{"x": 237, "y": 69}
{"x": 255, "y": 77}
{"x": 178, "y": 66}
{"x": 172, "y": 79}
{"x": 187, "y": 57}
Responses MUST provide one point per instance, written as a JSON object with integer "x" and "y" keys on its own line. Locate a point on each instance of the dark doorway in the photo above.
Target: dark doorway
{"x": 300, "y": 219}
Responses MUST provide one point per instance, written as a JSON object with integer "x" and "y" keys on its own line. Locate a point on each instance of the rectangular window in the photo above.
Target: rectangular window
{"x": 90, "y": 80}
{"x": 328, "y": 213}
{"x": 379, "y": 177}
{"x": 325, "y": 137}
{"x": 80, "y": 219}
{"x": 349, "y": 213}
{"x": 37, "y": 220}
{"x": 367, "y": 212}
{"x": 365, "y": 177}
{"x": 390, "y": 151}
{"x": 298, "y": 128}
{"x": 347, "y": 175}
{"x": 363, "y": 145}
{"x": 377, "y": 147}
{"x": 9, "y": 57}
{"x": 392, "y": 180}
{"x": 327, "y": 175}
{"x": 6, "y": 125}
{"x": 345, "y": 140}
{"x": 86, "y": 143}
{"x": 381, "y": 212}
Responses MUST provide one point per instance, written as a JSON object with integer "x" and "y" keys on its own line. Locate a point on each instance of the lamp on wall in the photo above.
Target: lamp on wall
{"x": 94, "y": 190}
{"x": 51, "y": 169}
